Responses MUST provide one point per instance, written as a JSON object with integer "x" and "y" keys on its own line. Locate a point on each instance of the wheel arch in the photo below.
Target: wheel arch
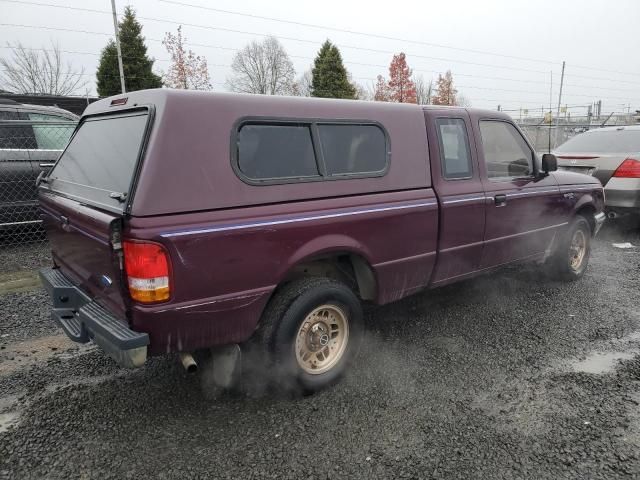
{"x": 334, "y": 256}
{"x": 586, "y": 208}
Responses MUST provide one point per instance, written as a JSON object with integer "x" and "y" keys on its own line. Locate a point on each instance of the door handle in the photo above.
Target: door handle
{"x": 500, "y": 200}
{"x": 47, "y": 164}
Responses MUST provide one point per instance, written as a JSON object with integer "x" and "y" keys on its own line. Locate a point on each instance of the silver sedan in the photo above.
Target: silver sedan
{"x": 612, "y": 155}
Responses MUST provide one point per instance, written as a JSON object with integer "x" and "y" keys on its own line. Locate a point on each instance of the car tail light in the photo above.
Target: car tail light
{"x": 630, "y": 168}
{"x": 147, "y": 268}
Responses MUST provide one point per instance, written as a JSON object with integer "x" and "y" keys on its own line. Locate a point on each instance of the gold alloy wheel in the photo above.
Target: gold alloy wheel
{"x": 577, "y": 249}
{"x": 322, "y": 339}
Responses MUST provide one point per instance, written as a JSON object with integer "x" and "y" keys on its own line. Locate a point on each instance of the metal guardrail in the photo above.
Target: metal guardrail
{"x": 27, "y": 148}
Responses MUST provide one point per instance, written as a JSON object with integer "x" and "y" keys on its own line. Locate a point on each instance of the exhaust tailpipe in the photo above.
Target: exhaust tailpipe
{"x": 612, "y": 215}
{"x": 188, "y": 362}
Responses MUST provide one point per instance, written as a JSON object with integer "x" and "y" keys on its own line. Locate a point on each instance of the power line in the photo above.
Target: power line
{"x": 326, "y": 27}
{"x": 461, "y": 74}
{"x": 293, "y": 39}
{"x": 291, "y": 22}
{"x": 208, "y": 27}
{"x": 384, "y": 66}
{"x": 371, "y": 79}
{"x": 384, "y": 37}
{"x": 355, "y": 32}
{"x": 306, "y": 41}
{"x": 314, "y": 42}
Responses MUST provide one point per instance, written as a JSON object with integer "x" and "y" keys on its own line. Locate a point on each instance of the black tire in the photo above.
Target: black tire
{"x": 564, "y": 263}
{"x": 285, "y": 315}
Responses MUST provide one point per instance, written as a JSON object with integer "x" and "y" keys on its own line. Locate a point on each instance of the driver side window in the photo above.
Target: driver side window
{"x": 506, "y": 153}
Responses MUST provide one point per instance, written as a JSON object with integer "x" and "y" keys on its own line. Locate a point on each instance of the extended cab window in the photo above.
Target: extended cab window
{"x": 288, "y": 151}
{"x": 506, "y": 153}
{"x": 100, "y": 161}
{"x": 353, "y": 148}
{"x": 454, "y": 148}
{"x": 276, "y": 151}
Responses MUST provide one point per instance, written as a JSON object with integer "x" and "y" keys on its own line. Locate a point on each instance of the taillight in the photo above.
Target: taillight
{"x": 147, "y": 269}
{"x": 630, "y": 168}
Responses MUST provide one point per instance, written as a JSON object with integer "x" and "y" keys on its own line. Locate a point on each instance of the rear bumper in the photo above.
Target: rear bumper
{"x": 82, "y": 320}
{"x": 622, "y": 193}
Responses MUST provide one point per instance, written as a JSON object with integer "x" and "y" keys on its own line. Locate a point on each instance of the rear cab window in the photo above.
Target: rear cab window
{"x": 100, "y": 162}
{"x": 274, "y": 152}
{"x": 454, "y": 148}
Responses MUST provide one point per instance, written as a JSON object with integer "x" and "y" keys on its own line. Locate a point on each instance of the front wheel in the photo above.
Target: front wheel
{"x": 571, "y": 258}
{"x": 312, "y": 330}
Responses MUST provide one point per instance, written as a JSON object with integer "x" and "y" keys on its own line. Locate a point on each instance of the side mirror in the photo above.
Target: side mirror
{"x": 549, "y": 163}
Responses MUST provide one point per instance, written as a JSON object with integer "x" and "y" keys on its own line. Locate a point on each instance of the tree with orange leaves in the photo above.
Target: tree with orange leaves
{"x": 402, "y": 89}
{"x": 446, "y": 93}
{"x": 187, "y": 70}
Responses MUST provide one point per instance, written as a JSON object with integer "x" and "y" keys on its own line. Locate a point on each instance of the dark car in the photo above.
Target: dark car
{"x": 188, "y": 221}
{"x": 32, "y": 138}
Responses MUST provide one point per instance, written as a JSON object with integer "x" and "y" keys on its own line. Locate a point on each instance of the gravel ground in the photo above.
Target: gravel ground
{"x": 505, "y": 376}
{"x": 23, "y": 257}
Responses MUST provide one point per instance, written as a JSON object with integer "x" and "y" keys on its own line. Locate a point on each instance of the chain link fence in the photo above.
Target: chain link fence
{"x": 27, "y": 149}
{"x": 545, "y": 137}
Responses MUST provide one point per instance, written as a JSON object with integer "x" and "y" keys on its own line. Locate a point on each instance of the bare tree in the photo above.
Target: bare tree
{"x": 263, "y": 68}
{"x": 462, "y": 100}
{"x": 424, "y": 90}
{"x": 302, "y": 86}
{"x": 40, "y": 71}
{"x": 187, "y": 70}
{"x": 362, "y": 92}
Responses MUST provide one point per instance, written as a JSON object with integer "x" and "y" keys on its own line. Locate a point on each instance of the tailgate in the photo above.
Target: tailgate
{"x": 84, "y": 197}
{"x": 80, "y": 239}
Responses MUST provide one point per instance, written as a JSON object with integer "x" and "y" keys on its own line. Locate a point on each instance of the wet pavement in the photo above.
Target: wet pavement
{"x": 510, "y": 375}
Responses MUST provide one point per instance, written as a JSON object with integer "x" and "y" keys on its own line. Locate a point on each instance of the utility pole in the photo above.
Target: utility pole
{"x": 550, "y": 109}
{"x": 115, "y": 28}
{"x": 560, "y": 92}
{"x": 555, "y": 140}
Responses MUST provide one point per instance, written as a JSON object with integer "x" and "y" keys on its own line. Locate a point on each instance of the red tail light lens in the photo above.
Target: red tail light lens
{"x": 630, "y": 168}
{"x": 147, "y": 269}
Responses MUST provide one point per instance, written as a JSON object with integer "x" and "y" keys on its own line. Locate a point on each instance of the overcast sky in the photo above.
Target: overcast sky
{"x": 476, "y": 40}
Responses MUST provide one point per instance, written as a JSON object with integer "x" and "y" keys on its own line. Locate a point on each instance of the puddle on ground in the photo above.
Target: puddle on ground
{"x": 7, "y": 420}
{"x": 29, "y": 352}
{"x": 601, "y": 362}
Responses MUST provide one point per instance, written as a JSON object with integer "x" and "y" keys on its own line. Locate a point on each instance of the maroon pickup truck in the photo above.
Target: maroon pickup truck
{"x": 203, "y": 222}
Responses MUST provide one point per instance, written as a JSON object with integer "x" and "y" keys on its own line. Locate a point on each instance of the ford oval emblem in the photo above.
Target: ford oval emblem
{"x": 105, "y": 281}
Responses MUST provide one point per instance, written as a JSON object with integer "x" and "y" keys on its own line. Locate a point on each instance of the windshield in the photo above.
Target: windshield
{"x": 603, "y": 141}
{"x": 100, "y": 161}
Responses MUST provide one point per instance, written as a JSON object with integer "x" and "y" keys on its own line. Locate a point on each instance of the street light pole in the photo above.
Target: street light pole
{"x": 115, "y": 28}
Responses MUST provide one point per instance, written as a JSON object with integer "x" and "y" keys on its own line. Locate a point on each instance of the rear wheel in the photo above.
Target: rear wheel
{"x": 311, "y": 330}
{"x": 571, "y": 258}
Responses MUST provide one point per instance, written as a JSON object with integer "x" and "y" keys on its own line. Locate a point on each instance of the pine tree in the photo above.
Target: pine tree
{"x": 401, "y": 88}
{"x": 136, "y": 64}
{"x": 446, "y": 93}
{"x": 330, "y": 77}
